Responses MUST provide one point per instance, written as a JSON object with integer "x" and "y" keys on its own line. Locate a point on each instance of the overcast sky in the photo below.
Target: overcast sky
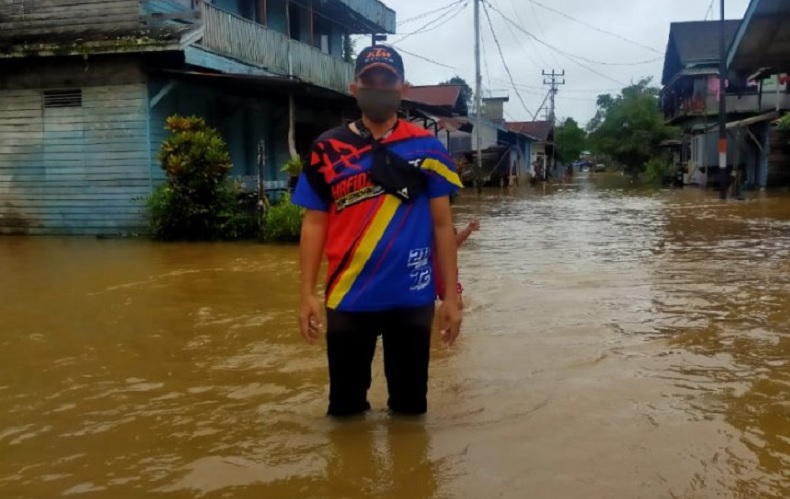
{"x": 645, "y": 22}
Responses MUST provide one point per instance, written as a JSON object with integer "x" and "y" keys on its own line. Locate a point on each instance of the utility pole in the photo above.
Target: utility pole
{"x": 478, "y": 174}
{"x": 553, "y": 80}
{"x": 723, "y": 177}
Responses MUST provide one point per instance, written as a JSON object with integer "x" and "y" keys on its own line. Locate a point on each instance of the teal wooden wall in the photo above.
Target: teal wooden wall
{"x": 241, "y": 121}
{"x": 86, "y": 168}
{"x": 73, "y": 170}
{"x": 26, "y": 19}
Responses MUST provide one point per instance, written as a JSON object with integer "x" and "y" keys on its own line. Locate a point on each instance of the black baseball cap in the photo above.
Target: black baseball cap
{"x": 379, "y": 56}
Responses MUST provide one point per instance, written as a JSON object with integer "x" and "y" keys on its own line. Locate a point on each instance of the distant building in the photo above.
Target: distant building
{"x": 760, "y": 56}
{"x": 542, "y": 135}
{"x": 690, "y": 100}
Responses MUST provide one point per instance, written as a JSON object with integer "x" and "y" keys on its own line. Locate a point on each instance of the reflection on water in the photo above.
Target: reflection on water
{"x": 619, "y": 343}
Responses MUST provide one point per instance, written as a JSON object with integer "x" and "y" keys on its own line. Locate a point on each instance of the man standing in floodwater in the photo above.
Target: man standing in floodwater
{"x": 377, "y": 194}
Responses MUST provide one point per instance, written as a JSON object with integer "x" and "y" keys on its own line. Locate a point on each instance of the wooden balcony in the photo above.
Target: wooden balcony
{"x": 736, "y": 105}
{"x": 239, "y": 38}
{"x": 376, "y": 16}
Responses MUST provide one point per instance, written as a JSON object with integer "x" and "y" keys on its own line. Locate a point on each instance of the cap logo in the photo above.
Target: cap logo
{"x": 379, "y": 53}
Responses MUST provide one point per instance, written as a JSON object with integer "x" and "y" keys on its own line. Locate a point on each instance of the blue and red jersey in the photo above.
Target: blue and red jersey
{"x": 379, "y": 248}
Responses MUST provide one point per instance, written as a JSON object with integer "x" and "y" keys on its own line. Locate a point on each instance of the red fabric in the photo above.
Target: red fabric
{"x": 437, "y": 275}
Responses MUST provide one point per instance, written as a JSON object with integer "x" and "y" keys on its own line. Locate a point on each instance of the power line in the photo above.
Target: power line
{"x": 581, "y": 91}
{"x": 709, "y": 11}
{"x": 561, "y": 52}
{"x": 540, "y": 29}
{"x": 527, "y": 52}
{"x": 568, "y": 54}
{"x": 432, "y": 25}
{"x": 502, "y": 56}
{"x": 578, "y": 99}
{"x": 521, "y": 22}
{"x": 418, "y": 56}
{"x": 596, "y": 28}
{"x": 428, "y": 13}
{"x": 535, "y": 116}
{"x": 554, "y": 83}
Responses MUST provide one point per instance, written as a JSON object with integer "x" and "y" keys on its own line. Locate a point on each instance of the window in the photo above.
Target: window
{"x": 62, "y": 98}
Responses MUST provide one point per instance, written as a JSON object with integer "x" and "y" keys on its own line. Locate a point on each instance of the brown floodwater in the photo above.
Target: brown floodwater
{"x": 619, "y": 343}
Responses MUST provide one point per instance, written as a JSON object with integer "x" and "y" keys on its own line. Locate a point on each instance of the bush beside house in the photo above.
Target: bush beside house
{"x": 198, "y": 202}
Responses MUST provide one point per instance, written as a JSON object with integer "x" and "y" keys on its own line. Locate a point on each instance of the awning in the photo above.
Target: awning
{"x": 753, "y": 120}
{"x": 276, "y": 86}
{"x": 456, "y": 124}
{"x": 449, "y": 123}
{"x": 763, "y": 38}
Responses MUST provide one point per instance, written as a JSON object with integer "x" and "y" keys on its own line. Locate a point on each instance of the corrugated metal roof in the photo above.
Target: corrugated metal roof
{"x": 763, "y": 39}
{"x": 539, "y": 130}
{"x": 436, "y": 95}
{"x": 695, "y": 43}
{"x": 698, "y": 41}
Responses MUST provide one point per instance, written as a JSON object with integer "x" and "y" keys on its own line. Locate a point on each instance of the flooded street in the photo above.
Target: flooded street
{"x": 619, "y": 343}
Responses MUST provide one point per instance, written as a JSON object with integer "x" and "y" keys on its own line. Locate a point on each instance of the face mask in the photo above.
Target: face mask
{"x": 378, "y": 105}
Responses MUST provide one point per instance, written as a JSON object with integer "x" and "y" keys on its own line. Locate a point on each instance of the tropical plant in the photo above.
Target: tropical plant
{"x": 783, "y": 124}
{"x": 197, "y": 201}
{"x": 293, "y": 166}
{"x": 282, "y": 222}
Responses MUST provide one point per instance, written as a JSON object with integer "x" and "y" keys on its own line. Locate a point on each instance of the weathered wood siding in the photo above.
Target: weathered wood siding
{"x": 75, "y": 169}
{"x": 242, "y": 39}
{"x": 20, "y": 19}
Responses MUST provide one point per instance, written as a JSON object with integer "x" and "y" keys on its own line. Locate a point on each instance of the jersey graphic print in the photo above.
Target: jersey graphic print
{"x": 378, "y": 247}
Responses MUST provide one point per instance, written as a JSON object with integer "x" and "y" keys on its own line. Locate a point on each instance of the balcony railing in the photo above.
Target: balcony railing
{"x": 745, "y": 104}
{"x": 234, "y": 36}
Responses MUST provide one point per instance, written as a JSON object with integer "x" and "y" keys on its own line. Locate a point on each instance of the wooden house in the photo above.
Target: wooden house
{"x": 690, "y": 100}
{"x": 86, "y": 87}
{"x": 541, "y": 134}
{"x": 760, "y": 55}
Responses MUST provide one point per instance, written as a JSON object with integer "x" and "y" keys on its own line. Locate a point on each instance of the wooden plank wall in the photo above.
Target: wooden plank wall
{"x": 74, "y": 170}
{"x": 31, "y": 18}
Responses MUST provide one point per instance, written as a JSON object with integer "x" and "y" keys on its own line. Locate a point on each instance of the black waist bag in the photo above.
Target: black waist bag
{"x": 396, "y": 175}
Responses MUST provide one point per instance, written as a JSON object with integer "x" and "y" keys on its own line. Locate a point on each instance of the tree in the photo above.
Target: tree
{"x": 349, "y": 49}
{"x": 629, "y": 127}
{"x": 604, "y": 103}
{"x": 466, "y": 90}
{"x": 571, "y": 140}
{"x": 197, "y": 202}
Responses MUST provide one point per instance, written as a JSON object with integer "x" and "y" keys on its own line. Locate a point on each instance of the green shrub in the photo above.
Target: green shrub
{"x": 283, "y": 221}
{"x": 197, "y": 202}
{"x": 170, "y": 218}
{"x": 657, "y": 170}
{"x": 292, "y": 167}
{"x": 783, "y": 124}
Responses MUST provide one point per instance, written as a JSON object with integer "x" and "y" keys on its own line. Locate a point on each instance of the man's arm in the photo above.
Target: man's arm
{"x": 447, "y": 252}
{"x": 446, "y": 247}
{"x": 311, "y": 249}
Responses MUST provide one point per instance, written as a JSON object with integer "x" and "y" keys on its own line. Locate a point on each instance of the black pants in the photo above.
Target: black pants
{"x": 351, "y": 343}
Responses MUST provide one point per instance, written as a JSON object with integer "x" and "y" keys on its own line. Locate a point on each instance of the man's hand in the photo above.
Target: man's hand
{"x": 310, "y": 320}
{"x": 450, "y": 318}
{"x": 474, "y": 225}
